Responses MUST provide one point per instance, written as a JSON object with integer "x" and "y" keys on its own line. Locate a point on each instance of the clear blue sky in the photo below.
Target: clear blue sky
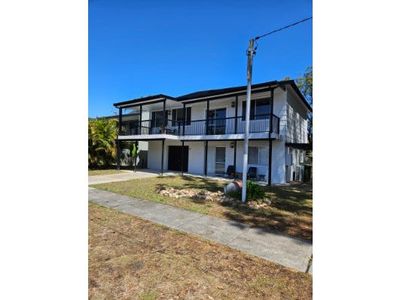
{"x": 139, "y": 48}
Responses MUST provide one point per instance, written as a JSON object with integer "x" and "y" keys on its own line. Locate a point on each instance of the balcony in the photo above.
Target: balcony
{"x": 215, "y": 126}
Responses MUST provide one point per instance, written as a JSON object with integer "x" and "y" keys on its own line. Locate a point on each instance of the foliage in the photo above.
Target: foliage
{"x": 134, "y": 154}
{"x": 305, "y": 85}
{"x": 101, "y": 142}
{"x": 254, "y": 192}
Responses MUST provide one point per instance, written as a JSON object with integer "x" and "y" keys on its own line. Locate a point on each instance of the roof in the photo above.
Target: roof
{"x": 208, "y": 93}
{"x": 144, "y": 99}
{"x": 215, "y": 92}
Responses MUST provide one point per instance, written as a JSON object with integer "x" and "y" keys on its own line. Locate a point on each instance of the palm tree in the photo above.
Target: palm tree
{"x": 102, "y": 135}
{"x": 134, "y": 155}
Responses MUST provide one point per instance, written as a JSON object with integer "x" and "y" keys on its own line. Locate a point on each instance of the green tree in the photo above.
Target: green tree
{"x": 102, "y": 134}
{"x": 305, "y": 84}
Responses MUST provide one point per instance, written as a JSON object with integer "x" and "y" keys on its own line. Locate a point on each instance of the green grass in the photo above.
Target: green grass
{"x": 104, "y": 172}
{"x": 289, "y": 213}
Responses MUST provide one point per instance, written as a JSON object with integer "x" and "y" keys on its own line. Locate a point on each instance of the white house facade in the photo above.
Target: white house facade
{"x": 202, "y": 133}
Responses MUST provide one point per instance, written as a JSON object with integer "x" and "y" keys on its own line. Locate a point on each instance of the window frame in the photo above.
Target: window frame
{"x": 253, "y": 109}
{"x": 175, "y": 121}
{"x": 253, "y": 156}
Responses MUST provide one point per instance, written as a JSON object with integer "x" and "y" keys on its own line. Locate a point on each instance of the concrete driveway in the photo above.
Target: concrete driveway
{"x": 124, "y": 176}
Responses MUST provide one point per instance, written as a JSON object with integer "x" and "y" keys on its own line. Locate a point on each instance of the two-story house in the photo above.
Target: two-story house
{"x": 203, "y": 132}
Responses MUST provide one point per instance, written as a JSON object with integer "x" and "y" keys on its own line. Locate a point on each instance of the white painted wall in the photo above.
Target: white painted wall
{"x": 296, "y": 129}
{"x": 196, "y": 157}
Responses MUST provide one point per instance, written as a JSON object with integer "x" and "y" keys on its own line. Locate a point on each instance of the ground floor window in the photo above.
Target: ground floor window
{"x": 257, "y": 155}
{"x": 220, "y": 160}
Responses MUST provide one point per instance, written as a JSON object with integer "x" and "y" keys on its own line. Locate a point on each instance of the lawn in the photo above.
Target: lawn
{"x": 104, "y": 172}
{"x": 130, "y": 258}
{"x": 290, "y": 211}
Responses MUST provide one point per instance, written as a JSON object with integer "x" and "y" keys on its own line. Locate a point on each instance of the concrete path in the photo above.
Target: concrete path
{"x": 283, "y": 250}
{"x": 125, "y": 175}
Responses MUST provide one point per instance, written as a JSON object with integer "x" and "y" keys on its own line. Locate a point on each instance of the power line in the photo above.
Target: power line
{"x": 282, "y": 28}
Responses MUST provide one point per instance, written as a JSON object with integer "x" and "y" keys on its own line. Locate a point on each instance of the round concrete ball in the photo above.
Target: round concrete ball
{"x": 232, "y": 187}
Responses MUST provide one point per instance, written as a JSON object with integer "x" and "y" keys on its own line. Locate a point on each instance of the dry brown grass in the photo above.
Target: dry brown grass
{"x": 130, "y": 258}
{"x": 290, "y": 212}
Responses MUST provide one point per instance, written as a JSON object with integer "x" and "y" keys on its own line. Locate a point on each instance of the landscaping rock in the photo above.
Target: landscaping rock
{"x": 204, "y": 195}
{"x": 233, "y": 187}
{"x": 195, "y": 194}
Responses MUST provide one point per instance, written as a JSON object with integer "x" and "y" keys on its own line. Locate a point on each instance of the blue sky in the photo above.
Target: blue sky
{"x": 139, "y": 48}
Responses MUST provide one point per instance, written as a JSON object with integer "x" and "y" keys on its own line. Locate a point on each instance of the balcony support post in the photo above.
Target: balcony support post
{"x": 205, "y": 157}
{"x": 236, "y": 112}
{"x": 207, "y": 113}
{"x": 234, "y": 156}
{"x": 118, "y": 154}
{"x": 140, "y": 119}
{"x": 162, "y": 157}
{"x": 164, "y": 119}
{"x": 119, "y": 120}
{"x": 270, "y": 139}
{"x": 182, "y": 155}
{"x": 184, "y": 118}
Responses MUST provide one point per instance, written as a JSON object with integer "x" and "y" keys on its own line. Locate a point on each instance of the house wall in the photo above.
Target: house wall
{"x": 196, "y": 157}
{"x": 297, "y": 123}
{"x": 293, "y": 128}
{"x": 294, "y": 160}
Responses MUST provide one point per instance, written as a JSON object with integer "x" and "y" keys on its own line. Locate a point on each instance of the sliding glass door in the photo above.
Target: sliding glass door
{"x": 216, "y": 121}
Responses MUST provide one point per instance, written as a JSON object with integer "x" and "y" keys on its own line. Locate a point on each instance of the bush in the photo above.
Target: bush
{"x": 254, "y": 192}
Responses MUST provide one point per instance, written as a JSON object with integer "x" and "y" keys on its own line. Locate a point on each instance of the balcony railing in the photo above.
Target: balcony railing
{"x": 215, "y": 126}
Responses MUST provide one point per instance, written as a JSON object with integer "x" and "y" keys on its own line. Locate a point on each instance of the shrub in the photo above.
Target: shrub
{"x": 254, "y": 192}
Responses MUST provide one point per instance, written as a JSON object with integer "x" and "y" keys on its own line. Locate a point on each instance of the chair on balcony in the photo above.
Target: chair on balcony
{"x": 252, "y": 173}
{"x": 230, "y": 171}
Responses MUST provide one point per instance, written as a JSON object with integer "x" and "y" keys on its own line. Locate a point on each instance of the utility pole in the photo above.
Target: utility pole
{"x": 250, "y": 53}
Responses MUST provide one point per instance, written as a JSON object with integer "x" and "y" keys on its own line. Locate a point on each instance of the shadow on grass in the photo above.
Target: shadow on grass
{"x": 290, "y": 212}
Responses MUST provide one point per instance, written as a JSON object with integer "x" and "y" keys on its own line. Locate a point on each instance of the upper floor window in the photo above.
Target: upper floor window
{"x": 178, "y": 117}
{"x": 259, "y": 109}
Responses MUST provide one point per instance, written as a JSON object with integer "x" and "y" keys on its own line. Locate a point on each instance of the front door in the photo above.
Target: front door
{"x": 176, "y": 158}
{"x": 220, "y": 160}
{"x": 216, "y": 121}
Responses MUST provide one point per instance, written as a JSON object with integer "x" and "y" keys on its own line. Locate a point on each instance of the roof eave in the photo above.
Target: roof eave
{"x": 144, "y": 100}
